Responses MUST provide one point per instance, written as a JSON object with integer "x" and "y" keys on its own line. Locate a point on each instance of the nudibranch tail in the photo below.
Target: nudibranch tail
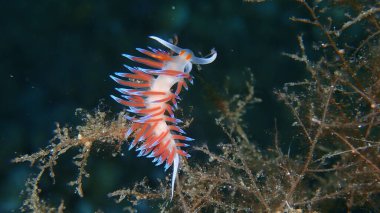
{"x": 174, "y": 175}
{"x": 152, "y": 100}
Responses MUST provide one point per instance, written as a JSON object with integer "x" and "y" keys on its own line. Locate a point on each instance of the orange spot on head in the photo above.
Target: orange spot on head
{"x": 188, "y": 57}
{"x": 182, "y": 52}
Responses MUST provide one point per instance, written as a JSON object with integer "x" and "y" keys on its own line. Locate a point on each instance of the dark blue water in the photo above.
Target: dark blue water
{"x": 56, "y": 56}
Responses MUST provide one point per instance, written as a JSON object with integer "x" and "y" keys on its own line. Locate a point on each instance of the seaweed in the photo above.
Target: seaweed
{"x": 97, "y": 129}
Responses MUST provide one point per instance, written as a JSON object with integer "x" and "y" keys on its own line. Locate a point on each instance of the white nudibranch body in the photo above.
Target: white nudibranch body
{"x": 151, "y": 98}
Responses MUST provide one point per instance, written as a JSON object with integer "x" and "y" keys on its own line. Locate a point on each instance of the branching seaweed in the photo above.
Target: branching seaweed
{"x": 336, "y": 109}
{"x": 97, "y": 128}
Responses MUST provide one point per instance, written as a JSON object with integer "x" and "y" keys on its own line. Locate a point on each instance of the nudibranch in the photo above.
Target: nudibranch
{"x": 152, "y": 99}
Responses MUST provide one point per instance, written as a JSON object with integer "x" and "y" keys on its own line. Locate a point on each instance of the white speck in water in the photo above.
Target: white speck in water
{"x": 173, "y": 7}
{"x": 12, "y": 76}
{"x": 315, "y": 120}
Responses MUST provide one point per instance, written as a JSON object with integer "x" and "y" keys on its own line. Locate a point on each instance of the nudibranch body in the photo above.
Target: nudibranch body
{"x": 151, "y": 98}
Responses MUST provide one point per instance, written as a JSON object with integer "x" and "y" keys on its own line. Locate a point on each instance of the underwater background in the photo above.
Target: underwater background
{"x": 56, "y": 56}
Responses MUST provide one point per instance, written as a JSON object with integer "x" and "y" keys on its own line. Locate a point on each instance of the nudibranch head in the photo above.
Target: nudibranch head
{"x": 186, "y": 53}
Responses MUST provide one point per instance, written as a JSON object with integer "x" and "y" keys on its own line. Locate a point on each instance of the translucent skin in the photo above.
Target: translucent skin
{"x": 164, "y": 83}
{"x": 149, "y": 96}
